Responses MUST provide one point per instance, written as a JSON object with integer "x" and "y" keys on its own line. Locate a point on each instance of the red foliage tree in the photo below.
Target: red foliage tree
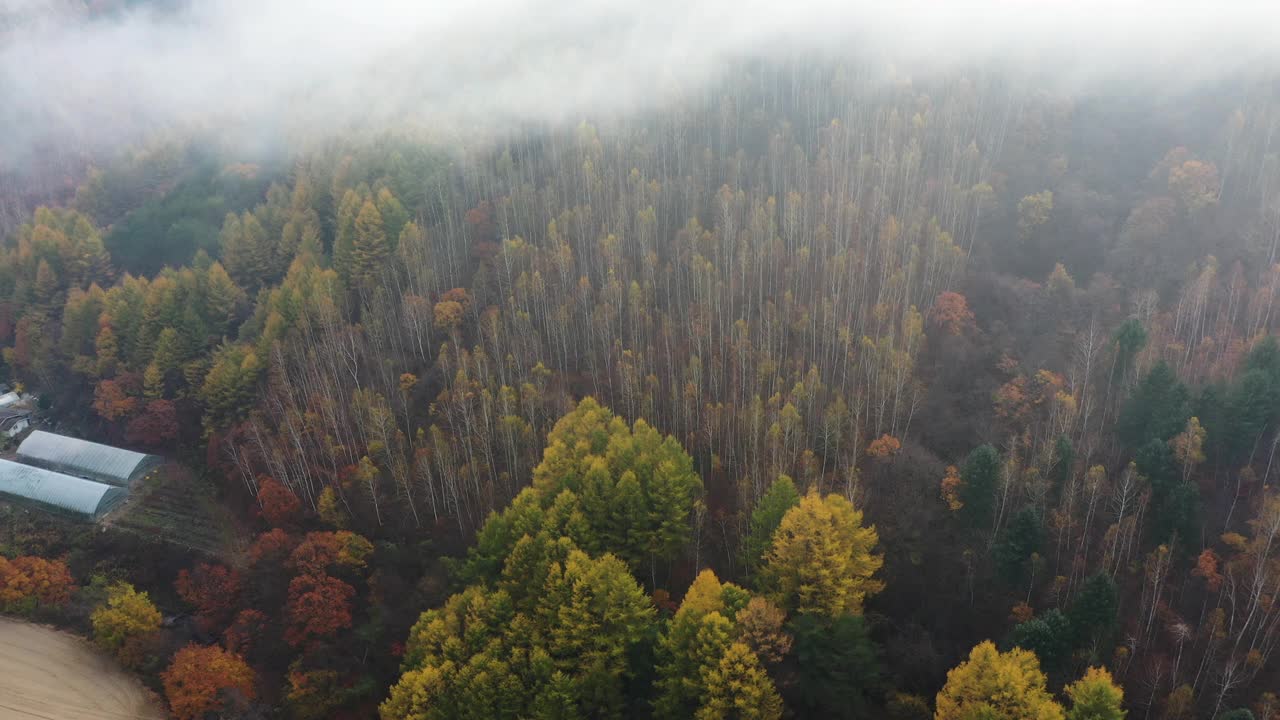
{"x": 213, "y": 591}
{"x": 205, "y": 678}
{"x": 244, "y": 631}
{"x": 314, "y": 554}
{"x": 271, "y": 547}
{"x": 157, "y": 425}
{"x": 319, "y": 606}
{"x": 279, "y": 505}
{"x": 480, "y": 222}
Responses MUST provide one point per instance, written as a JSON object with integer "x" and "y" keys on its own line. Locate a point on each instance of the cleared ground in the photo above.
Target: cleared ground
{"x": 53, "y": 675}
{"x": 173, "y": 506}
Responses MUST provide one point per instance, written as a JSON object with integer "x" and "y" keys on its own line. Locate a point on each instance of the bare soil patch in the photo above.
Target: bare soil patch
{"x": 53, "y": 675}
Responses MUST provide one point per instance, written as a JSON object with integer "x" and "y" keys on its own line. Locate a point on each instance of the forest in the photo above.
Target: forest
{"x": 820, "y": 392}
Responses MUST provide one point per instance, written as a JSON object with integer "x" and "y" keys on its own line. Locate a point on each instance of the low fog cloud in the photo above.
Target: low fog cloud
{"x": 325, "y": 66}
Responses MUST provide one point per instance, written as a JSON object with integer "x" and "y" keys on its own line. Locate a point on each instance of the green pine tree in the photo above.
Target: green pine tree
{"x": 1022, "y": 537}
{"x": 774, "y": 504}
{"x": 1093, "y": 611}
{"x": 1157, "y": 410}
{"x": 979, "y": 478}
{"x": 344, "y": 241}
{"x": 370, "y": 250}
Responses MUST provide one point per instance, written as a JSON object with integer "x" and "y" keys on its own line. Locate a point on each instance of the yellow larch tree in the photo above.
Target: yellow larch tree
{"x": 822, "y": 558}
{"x": 997, "y": 686}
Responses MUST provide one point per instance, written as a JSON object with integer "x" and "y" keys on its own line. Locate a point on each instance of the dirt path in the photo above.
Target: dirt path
{"x": 51, "y": 675}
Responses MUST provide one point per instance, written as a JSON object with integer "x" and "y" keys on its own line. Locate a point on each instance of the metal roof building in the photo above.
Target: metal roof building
{"x": 82, "y": 458}
{"x": 13, "y": 422}
{"x": 58, "y": 492}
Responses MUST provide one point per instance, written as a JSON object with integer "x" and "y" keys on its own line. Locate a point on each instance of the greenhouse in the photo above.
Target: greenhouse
{"x": 82, "y": 458}
{"x": 57, "y": 492}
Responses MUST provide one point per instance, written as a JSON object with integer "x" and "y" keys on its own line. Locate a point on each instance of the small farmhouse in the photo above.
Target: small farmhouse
{"x": 13, "y": 421}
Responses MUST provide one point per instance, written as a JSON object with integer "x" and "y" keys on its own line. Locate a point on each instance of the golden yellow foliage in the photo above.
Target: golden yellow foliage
{"x": 739, "y": 688}
{"x": 821, "y": 560}
{"x": 1095, "y": 697}
{"x": 126, "y": 615}
{"x": 997, "y": 686}
{"x": 1188, "y": 445}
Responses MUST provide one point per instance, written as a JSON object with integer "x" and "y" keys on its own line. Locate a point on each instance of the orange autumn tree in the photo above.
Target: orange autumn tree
{"x": 111, "y": 402}
{"x": 272, "y": 546}
{"x": 1207, "y": 569}
{"x": 951, "y": 313}
{"x": 26, "y": 578}
{"x": 320, "y": 551}
{"x": 51, "y": 582}
{"x": 15, "y": 586}
{"x": 884, "y": 446}
{"x": 950, "y": 489}
{"x": 204, "y": 679}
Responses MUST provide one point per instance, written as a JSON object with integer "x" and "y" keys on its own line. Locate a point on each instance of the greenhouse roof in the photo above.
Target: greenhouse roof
{"x": 57, "y": 491}
{"x": 83, "y": 458}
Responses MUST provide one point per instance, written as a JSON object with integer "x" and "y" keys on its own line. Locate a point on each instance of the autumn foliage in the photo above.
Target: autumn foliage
{"x": 761, "y": 295}
{"x": 884, "y": 446}
{"x": 279, "y": 505}
{"x": 241, "y": 636}
{"x": 155, "y": 426}
{"x": 213, "y": 590}
{"x": 319, "y": 606}
{"x": 950, "y": 489}
{"x": 128, "y": 618}
{"x": 319, "y": 552}
{"x": 822, "y": 559}
{"x": 992, "y": 684}
{"x": 951, "y": 313}
{"x": 34, "y": 578}
{"x": 1207, "y": 570}
{"x": 205, "y": 679}
{"x": 272, "y": 546}
{"x": 111, "y": 402}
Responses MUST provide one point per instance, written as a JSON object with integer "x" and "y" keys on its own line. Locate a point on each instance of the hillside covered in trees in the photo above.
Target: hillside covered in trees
{"x": 815, "y": 393}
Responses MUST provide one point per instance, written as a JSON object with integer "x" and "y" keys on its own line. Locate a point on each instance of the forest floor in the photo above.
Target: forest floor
{"x": 54, "y": 675}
